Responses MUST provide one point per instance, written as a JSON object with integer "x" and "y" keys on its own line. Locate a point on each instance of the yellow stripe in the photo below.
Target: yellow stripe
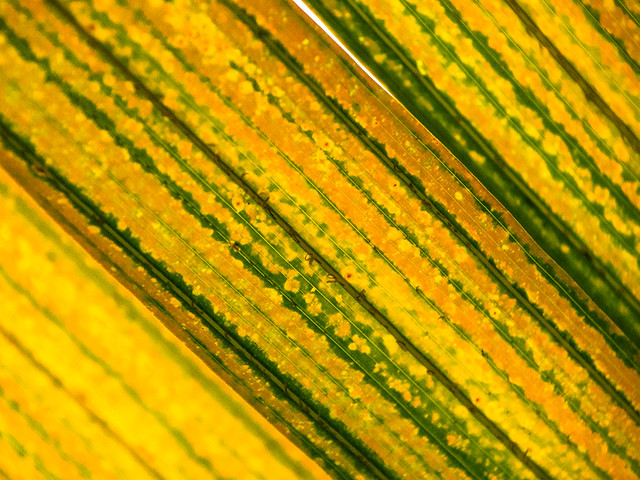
{"x": 91, "y": 160}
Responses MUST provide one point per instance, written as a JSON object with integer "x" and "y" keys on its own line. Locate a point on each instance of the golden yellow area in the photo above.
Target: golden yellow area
{"x": 91, "y": 382}
{"x": 312, "y": 244}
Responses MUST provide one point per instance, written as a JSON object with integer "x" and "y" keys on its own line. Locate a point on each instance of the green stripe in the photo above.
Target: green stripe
{"x": 631, "y": 15}
{"x": 145, "y": 163}
{"x": 630, "y": 172}
{"x": 349, "y": 288}
{"x": 589, "y": 91}
{"x": 593, "y": 16}
{"x": 529, "y": 100}
{"x": 446, "y": 218}
{"x": 557, "y": 336}
{"x": 181, "y": 291}
{"x": 20, "y": 449}
{"x": 220, "y": 230}
{"x": 257, "y": 402}
{"x": 189, "y": 205}
{"x": 624, "y": 353}
{"x": 266, "y": 277}
{"x": 86, "y": 351}
{"x": 40, "y": 429}
{"x": 434, "y": 109}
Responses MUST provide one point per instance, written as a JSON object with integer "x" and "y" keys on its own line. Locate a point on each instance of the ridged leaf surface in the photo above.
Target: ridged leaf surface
{"x": 331, "y": 257}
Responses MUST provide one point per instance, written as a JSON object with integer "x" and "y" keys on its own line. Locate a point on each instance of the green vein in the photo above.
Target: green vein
{"x": 444, "y": 122}
{"x": 42, "y": 432}
{"x": 174, "y": 285}
{"x": 143, "y": 90}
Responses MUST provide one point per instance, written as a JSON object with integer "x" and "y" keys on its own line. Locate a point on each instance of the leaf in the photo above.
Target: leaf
{"x": 91, "y": 385}
{"x": 322, "y": 250}
{"x": 539, "y": 101}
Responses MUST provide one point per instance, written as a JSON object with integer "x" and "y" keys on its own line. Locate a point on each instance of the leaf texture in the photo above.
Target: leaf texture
{"x": 540, "y": 101}
{"x": 92, "y": 386}
{"x": 336, "y": 261}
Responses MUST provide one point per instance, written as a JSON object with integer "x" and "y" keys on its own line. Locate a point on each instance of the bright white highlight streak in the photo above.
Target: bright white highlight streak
{"x": 321, "y": 24}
